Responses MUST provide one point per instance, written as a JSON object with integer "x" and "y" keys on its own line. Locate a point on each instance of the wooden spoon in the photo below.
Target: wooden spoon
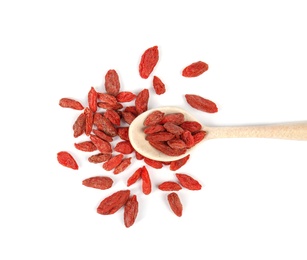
{"x": 289, "y": 131}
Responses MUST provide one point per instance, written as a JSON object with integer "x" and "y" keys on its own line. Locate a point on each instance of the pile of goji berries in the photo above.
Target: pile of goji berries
{"x": 105, "y": 119}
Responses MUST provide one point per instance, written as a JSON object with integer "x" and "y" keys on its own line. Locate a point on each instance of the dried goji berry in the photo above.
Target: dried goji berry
{"x": 67, "y": 160}
{"x": 188, "y": 182}
{"x": 172, "y": 128}
{"x": 79, "y": 125}
{"x": 122, "y": 166}
{"x": 154, "y": 129}
{"x": 175, "y": 165}
{"x": 169, "y": 186}
{"x": 128, "y": 117}
{"x": 175, "y": 118}
{"x": 125, "y": 96}
{"x": 107, "y": 98}
{"x": 138, "y": 156}
{"x": 146, "y": 182}
{"x": 188, "y": 138}
{"x": 98, "y": 182}
{"x": 141, "y": 101}
{"x": 131, "y": 109}
{"x": 102, "y": 135}
{"x": 199, "y": 136}
{"x": 131, "y": 211}
{"x": 158, "y": 85}
{"x": 124, "y": 147}
{"x": 99, "y": 158}
{"x": 112, "y": 83}
{"x": 70, "y": 103}
{"x": 89, "y": 119}
{"x": 86, "y": 146}
{"x": 160, "y": 136}
{"x": 102, "y": 145}
{"x": 113, "y": 203}
{"x": 175, "y": 203}
{"x": 92, "y": 99}
{"x": 195, "y": 69}
{"x": 153, "y": 118}
{"x": 177, "y": 144}
{"x": 113, "y": 116}
{"x": 104, "y": 124}
{"x": 113, "y": 162}
{"x": 201, "y": 103}
{"x": 164, "y": 148}
{"x": 134, "y": 177}
{"x": 148, "y": 61}
{"x": 191, "y": 126}
{"x": 115, "y": 106}
{"x": 153, "y": 163}
{"x": 123, "y": 133}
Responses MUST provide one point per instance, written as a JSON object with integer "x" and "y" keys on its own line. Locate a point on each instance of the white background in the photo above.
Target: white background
{"x": 254, "y": 196}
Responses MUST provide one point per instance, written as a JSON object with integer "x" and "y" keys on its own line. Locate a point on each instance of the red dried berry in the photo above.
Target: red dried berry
{"x": 177, "y": 144}
{"x": 124, "y": 147}
{"x": 125, "y": 96}
{"x": 113, "y": 203}
{"x": 164, "y": 148}
{"x": 175, "y": 203}
{"x": 122, "y": 166}
{"x": 107, "y": 98}
{"x": 188, "y": 138}
{"x": 199, "y": 136}
{"x": 160, "y": 136}
{"x": 141, "y": 101}
{"x": 138, "y": 156}
{"x": 70, "y": 103}
{"x": 99, "y": 158}
{"x": 104, "y": 124}
{"x": 153, "y": 118}
{"x": 113, "y": 116}
{"x": 128, "y": 117}
{"x": 131, "y": 109}
{"x": 113, "y": 162}
{"x": 134, "y": 177}
{"x": 67, "y": 160}
{"x": 191, "y": 126}
{"x": 146, "y": 182}
{"x": 158, "y": 85}
{"x": 131, "y": 211}
{"x": 114, "y": 106}
{"x": 172, "y": 128}
{"x": 148, "y": 61}
{"x": 169, "y": 186}
{"x": 153, "y": 163}
{"x": 98, "y": 182}
{"x": 195, "y": 69}
{"x": 112, "y": 84}
{"x": 102, "y": 145}
{"x": 201, "y": 103}
{"x": 175, "y": 118}
{"x": 86, "y": 146}
{"x": 154, "y": 129}
{"x": 103, "y": 135}
{"x": 188, "y": 182}
{"x": 92, "y": 99}
{"x": 123, "y": 133}
{"x": 89, "y": 120}
{"x": 175, "y": 165}
{"x": 79, "y": 125}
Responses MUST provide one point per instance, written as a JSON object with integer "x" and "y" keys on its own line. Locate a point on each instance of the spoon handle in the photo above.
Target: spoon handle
{"x": 290, "y": 131}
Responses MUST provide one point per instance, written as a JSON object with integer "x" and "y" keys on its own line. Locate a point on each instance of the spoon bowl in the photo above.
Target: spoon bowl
{"x": 289, "y": 131}
{"x": 142, "y": 146}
